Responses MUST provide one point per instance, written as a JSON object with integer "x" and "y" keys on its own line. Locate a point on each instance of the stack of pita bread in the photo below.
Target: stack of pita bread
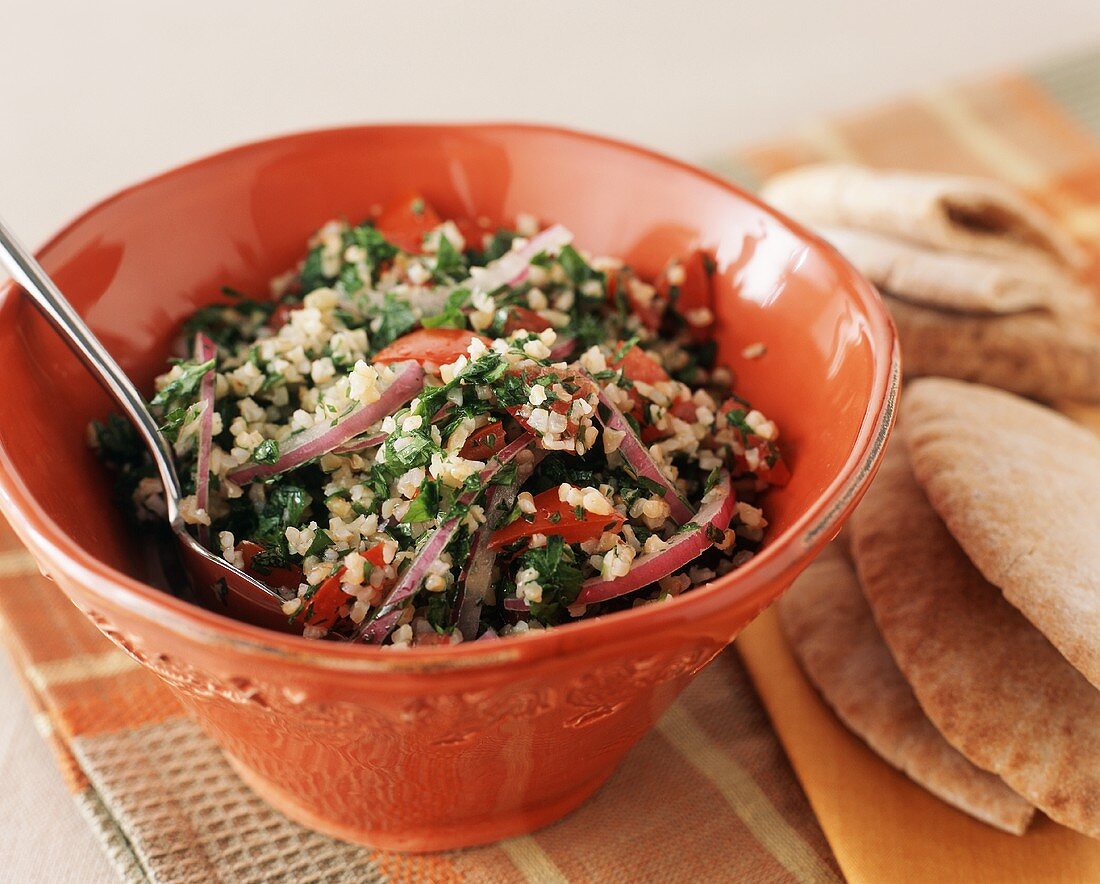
{"x": 983, "y": 286}
{"x": 955, "y": 626}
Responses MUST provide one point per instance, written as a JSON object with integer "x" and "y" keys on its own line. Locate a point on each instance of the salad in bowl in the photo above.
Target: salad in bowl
{"x": 432, "y": 432}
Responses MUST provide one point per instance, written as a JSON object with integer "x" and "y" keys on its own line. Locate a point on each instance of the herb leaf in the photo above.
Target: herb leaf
{"x": 185, "y": 385}
{"x": 396, "y": 317}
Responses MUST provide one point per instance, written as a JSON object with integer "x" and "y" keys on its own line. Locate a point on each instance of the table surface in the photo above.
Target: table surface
{"x": 100, "y": 95}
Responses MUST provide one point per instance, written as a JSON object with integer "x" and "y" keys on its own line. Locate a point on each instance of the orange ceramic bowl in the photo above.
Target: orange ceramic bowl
{"x": 433, "y": 748}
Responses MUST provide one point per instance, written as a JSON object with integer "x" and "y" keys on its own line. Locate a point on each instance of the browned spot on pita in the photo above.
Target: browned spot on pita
{"x": 951, "y": 212}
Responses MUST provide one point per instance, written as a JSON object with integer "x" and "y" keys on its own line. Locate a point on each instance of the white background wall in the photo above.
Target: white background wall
{"x": 98, "y": 93}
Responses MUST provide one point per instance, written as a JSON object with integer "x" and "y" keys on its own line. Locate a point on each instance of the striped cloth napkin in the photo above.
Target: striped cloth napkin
{"x": 708, "y": 795}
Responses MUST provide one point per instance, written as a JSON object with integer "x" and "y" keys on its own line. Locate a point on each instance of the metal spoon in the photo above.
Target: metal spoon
{"x": 219, "y": 585}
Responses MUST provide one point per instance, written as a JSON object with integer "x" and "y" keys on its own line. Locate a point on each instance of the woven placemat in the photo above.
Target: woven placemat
{"x": 708, "y": 795}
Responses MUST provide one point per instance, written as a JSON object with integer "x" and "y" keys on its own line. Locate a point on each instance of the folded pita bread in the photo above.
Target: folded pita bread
{"x": 957, "y": 282}
{"x": 1034, "y": 354}
{"x": 993, "y": 686}
{"x": 1018, "y": 486}
{"x": 948, "y": 212}
{"x": 828, "y": 624}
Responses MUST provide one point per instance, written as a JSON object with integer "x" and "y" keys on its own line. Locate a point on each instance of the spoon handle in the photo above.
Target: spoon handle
{"x": 46, "y": 296}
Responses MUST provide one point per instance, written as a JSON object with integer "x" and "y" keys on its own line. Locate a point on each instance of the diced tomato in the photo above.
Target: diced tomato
{"x": 484, "y": 442}
{"x": 638, "y": 365}
{"x": 473, "y": 231}
{"x": 322, "y": 609}
{"x": 279, "y": 316}
{"x": 611, "y": 284}
{"x": 649, "y": 311}
{"x": 684, "y": 409}
{"x": 405, "y": 221}
{"x": 431, "y": 639}
{"x": 523, "y": 318}
{"x": 776, "y": 474}
{"x": 437, "y": 345}
{"x": 374, "y": 555}
{"x": 696, "y": 291}
{"x": 279, "y": 578}
{"x": 581, "y": 384}
{"x": 553, "y": 517}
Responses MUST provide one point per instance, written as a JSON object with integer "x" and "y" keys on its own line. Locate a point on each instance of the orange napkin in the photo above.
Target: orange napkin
{"x": 881, "y": 825}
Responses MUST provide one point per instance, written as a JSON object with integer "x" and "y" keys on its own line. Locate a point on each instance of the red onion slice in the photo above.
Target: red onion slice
{"x": 323, "y": 437}
{"x": 637, "y": 455}
{"x": 512, "y": 267}
{"x": 360, "y": 444}
{"x": 476, "y": 579}
{"x": 488, "y": 635}
{"x": 376, "y": 629}
{"x": 204, "y": 352}
{"x": 684, "y": 548}
{"x": 514, "y": 604}
{"x": 563, "y": 348}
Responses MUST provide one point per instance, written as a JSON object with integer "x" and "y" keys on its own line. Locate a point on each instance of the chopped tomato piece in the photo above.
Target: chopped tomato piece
{"x": 638, "y": 365}
{"x": 576, "y": 385}
{"x": 696, "y": 289}
{"x": 322, "y": 609}
{"x": 405, "y": 221}
{"x": 279, "y": 578}
{"x": 279, "y": 317}
{"x": 374, "y": 555}
{"x": 778, "y": 474}
{"x": 767, "y": 451}
{"x": 686, "y": 410}
{"x": 484, "y": 442}
{"x": 553, "y": 517}
{"x": 619, "y": 281}
{"x": 474, "y": 232}
{"x": 611, "y": 284}
{"x": 524, "y": 318}
{"x": 436, "y": 345}
{"x": 431, "y": 639}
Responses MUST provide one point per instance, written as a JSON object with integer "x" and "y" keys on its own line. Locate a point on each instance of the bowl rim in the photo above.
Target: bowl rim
{"x": 749, "y": 585}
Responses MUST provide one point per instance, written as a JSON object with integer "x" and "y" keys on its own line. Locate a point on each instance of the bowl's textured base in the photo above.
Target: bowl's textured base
{"x": 520, "y": 821}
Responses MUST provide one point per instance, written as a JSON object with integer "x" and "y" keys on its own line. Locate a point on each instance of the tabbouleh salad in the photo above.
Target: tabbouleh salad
{"x": 430, "y": 432}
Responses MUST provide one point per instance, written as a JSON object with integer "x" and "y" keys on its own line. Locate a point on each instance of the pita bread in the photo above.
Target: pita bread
{"x": 828, "y": 624}
{"x": 1018, "y": 486}
{"x": 1033, "y": 354}
{"x": 959, "y": 282}
{"x": 948, "y": 212}
{"x": 993, "y": 686}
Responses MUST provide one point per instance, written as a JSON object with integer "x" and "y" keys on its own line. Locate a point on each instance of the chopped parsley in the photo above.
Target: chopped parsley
{"x": 452, "y": 315}
{"x": 559, "y": 577}
{"x": 395, "y": 317}
{"x": 267, "y": 452}
{"x": 183, "y": 387}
